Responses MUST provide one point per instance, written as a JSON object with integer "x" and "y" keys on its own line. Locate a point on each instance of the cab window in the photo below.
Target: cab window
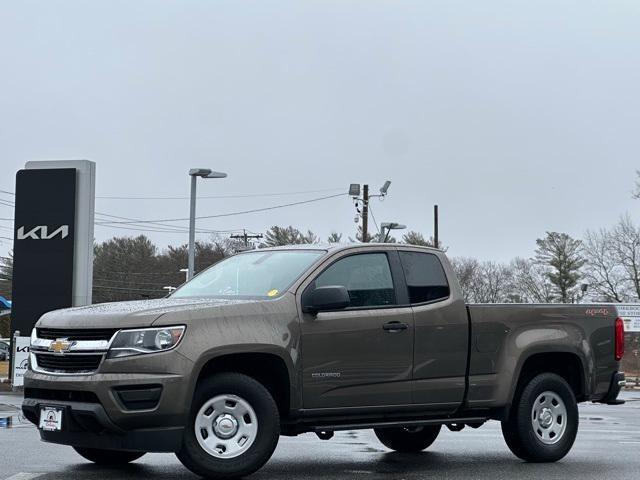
{"x": 366, "y": 276}
{"x": 425, "y": 277}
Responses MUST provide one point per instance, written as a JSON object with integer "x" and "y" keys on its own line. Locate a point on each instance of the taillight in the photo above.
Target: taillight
{"x": 619, "y": 339}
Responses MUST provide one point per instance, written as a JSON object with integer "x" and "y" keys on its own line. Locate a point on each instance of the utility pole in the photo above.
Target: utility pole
{"x": 354, "y": 193}
{"x": 245, "y": 237}
{"x": 436, "y": 243}
{"x": 365, "y": 213}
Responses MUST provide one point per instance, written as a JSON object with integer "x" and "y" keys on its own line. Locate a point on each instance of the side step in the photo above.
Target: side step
{"x": 397, "y": 423}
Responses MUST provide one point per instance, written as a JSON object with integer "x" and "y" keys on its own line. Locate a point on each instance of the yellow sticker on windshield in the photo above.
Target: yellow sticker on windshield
{"x": 272, "y": 293}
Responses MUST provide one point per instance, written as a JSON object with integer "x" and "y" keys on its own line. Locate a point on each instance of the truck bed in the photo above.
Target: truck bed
{"x": 505, "y": 336}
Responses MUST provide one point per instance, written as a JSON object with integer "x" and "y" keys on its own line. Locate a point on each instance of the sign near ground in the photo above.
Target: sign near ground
{"x": 20, "y": 359}
{"x": 53, "y": 239}
{"x": 630, "y": 314}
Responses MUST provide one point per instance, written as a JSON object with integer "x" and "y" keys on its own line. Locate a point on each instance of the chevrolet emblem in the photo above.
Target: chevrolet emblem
{"x": 61, "y": 345}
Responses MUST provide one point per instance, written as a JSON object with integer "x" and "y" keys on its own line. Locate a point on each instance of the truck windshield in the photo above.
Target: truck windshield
{"x": 255, "y": 274}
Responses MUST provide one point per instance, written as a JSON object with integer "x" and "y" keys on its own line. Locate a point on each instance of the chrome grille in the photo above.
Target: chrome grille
{"x": 68, "y": 363}
{"x": 76, "y": 334}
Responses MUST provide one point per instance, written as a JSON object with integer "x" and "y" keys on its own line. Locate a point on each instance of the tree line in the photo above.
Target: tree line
{"x": 603, "y": 266}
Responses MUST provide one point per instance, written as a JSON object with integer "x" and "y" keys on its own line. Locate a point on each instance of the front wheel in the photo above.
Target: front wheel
{"x": 408, "y": 439}
{"x": 108, "y": 457}
{"x": 544, "y": 421}
{"x": 233, "y": 428}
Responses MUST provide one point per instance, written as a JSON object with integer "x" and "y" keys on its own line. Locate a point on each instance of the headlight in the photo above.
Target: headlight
{"x": 144, "y": 340}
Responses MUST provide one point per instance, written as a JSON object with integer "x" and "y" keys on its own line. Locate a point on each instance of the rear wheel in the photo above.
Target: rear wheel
{"x": 408, "y": 439}
{"x": 108, "y": 457}
{"x": 544, "y": 421}
{"x": 233, "y": 429}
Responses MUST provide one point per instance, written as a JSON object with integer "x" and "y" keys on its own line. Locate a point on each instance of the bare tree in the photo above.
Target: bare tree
{"x": 466, "y": 271}
{"x": 530, "y": 282}
{"x": 494, "y": 283}
{"x": 483, "y": 282}
{"x": 636, "y": 190}
{"x": 604, "y": 273}
{"x": 6, "y": 275}
{"x": 627, "y": 251}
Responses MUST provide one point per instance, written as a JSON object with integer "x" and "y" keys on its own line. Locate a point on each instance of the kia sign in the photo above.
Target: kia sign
{"x": 41, "y": 232}
{"x": 20, "y": 359}
{"x": 43, "y": 251}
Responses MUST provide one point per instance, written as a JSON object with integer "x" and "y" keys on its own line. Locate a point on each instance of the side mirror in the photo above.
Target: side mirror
{"x": 331, "y": 297}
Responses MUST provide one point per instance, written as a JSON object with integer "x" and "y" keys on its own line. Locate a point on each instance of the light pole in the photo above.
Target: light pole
{"x": 186, "y": 273}
{"x": 194, "y": 173}
{"x": 389, "y": 226}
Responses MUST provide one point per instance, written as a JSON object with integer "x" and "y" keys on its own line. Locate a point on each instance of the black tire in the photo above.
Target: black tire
{"x": 527, "y": 441}
{"x": 202, "y": 463}
{"x": 108, "y": 457}
{"x": 408, "y": 440}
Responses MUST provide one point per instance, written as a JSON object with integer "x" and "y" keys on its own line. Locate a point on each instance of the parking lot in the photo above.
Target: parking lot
{"x": 608, "y": 446}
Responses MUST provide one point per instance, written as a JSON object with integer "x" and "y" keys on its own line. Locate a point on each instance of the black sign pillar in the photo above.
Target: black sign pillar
{"x": 43, "y": 248}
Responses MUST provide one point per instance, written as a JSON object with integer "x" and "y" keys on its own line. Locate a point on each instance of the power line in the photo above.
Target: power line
{"x": 242, "y": 195}
{"x": 373, "y": 218}
{"x": 169, "y": 228}
{"x": 181, "y": 229}
{"x": 242, "y": 212}
{"x": 141, "y": 273}
{"x": 136, "y": 223}
{"x": 139, "y": 282}
{"x": 105, "y": 287}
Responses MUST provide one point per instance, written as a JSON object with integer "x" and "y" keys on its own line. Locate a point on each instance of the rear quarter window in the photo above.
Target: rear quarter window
{"x": 425, "y": 277}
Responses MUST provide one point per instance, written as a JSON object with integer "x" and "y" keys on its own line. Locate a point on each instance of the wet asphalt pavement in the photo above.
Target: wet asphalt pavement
{"x": 607, "y": 447}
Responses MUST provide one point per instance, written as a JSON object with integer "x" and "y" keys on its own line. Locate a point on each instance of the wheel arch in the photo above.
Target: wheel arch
{"x": 268, "y": 365}
{"x": 568, "y": 364}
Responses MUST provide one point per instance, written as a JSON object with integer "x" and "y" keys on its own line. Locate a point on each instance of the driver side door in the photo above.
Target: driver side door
{"x": 361, "y": 355}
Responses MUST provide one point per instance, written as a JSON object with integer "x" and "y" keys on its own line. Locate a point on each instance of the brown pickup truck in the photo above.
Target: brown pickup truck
{"x": 289, "y": 340}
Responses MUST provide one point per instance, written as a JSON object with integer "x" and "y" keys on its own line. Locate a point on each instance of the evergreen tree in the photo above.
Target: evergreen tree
{"x": 279, "y": 236}
{"x": 563, "y": 255}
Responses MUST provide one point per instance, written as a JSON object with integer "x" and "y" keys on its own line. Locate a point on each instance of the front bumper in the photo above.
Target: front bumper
{"x": 122, "y": 411}
{"x": 87, "y": 425}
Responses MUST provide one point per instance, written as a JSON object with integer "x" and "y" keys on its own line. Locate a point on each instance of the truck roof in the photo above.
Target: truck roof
{"x": 332, "y": 247}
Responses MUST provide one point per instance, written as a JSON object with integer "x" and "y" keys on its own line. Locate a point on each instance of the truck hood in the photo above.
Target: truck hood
{"x": 138, "y": 313}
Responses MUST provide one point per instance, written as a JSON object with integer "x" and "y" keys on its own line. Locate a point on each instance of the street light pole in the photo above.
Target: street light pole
{"x": 192, "y": 230}
{"x": 186, "y": 273}
{"x": 193, "y": 173}
{"x": 388, "y": 226}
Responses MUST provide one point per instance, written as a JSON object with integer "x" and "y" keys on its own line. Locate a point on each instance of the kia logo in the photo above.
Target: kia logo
{"x": 41, "y": 232}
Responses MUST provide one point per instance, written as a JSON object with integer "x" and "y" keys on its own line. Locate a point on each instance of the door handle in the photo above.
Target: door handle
{"x": 393, "y": 327}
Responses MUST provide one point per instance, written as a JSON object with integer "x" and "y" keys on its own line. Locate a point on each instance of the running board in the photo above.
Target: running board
{"x": 397, "y": 423}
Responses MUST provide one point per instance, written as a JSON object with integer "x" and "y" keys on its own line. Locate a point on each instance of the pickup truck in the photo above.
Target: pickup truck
{"x": 290, "y": 340}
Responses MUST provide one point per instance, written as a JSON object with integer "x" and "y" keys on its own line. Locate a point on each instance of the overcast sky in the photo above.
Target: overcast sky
{"x": 515, "y": 117}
